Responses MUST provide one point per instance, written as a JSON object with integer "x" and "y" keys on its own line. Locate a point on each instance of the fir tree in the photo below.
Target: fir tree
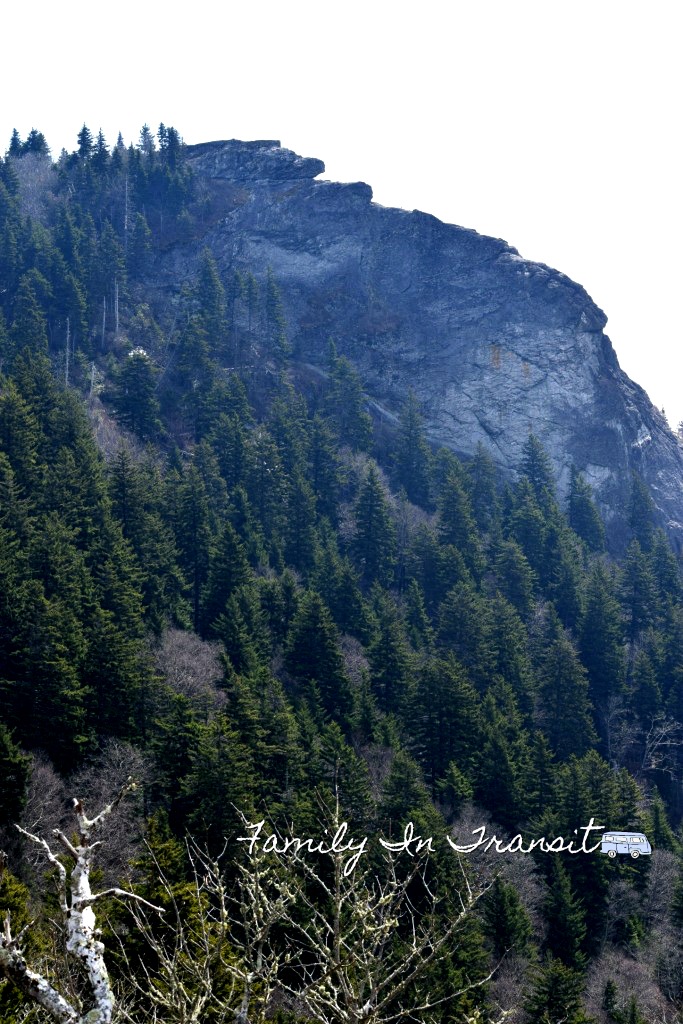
{"x": 313, "y": 655}
{"x": 412, "y": 455}
{"x": 135, "y": 399}
{"x": 374, "y": 544}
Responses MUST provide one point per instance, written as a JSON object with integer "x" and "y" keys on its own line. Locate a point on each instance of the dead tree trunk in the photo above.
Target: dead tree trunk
{"x": 76, "y": 901}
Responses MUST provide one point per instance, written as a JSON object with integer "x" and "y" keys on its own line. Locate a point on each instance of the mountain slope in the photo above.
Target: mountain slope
{"x": 493, "y": 345}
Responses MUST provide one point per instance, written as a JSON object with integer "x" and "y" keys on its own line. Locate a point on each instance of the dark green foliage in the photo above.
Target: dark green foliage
{"x": 345, "y": 405}
{"x": 556, "y": 995}
{"x": 313, "y": 655}
{"x": 584, "y": 517}
{"x": 566, "y": 709}
{"x": 483, "y": 489}
{"x": 393, "y": 634}
{"x": 390, "y": 658}
{"x": 566, "y": 920}
{"x": 446, "y": 720}
{"x": 507, "y": 923}
{"x": 601, "y": 639}
{"x": 14, "y": 771}
{"x": 537, "y": 469}
{"x": 135, "y": 399}
{"x": 641, "y": 513}
{"x": 516, "y": 579}
{"x": 412, "y": 455}
{"x": 465, "y": 629}
{"x": 374, "y": 543}
{"x": 228, "y": 572}
{"x": 456, "y": 522}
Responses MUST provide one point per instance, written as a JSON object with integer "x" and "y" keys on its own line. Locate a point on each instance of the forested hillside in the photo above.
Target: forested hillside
{"x": 227, "y": 575}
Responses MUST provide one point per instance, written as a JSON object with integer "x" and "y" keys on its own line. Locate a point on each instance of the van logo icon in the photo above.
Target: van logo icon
{"x": 634, "y": 843}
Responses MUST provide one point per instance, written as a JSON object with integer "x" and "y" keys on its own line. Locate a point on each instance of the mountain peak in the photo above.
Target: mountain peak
{"x": 494, "y": 346}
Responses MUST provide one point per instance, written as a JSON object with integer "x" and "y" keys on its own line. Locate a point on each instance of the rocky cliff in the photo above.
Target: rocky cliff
{"x": 493, "y": 345}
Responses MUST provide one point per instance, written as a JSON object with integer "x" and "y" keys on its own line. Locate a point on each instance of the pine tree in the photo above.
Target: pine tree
{"x": 641, "y": 513}
{"x": 210, "y": 299}
{"x": 556, "y": 995}
{"x": 14, "y": 771}
{"x": 389, "y": 657}
{"x": 412, "y": 456}
{"x": 324, "y": 468}
{"x": 345, "y": 405}
{"x": 404, "y": 793}
{"x": 566, "y": 920}
{"x": 566, "y": 708}
{"x": 456, "y": 522}
{"x": 638, "y": 592}
{"x": 300, "y": 533}
{"x": 483, "y": 490}
{"x": 537, "y": 469}
{"x": 275, "y": 324}
{"x": 507, "y": 923}
{"x": 601, "y": 640}
{"x": 374, "y": 543}
{"x": 584, "y": 517}
{"x": 135, "y": 398}
{"x": 15, "y": 146}
{"x": 313, "y": 655}
{"x": 229, "y": 570}
{"x": 193, "y": 536}
{"x": 85, "y": 143}
{"x": 445, "y": 719}
{"x": 516, "y": 579}
{"x": 29, "y": 327}
{"x": 465, "y": 630}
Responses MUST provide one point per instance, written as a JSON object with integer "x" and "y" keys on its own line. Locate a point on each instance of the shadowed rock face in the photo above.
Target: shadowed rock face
{"x": 493, "y": 345}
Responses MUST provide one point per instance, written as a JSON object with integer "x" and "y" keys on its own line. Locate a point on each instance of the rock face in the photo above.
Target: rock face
{"x": 493, "y": 345}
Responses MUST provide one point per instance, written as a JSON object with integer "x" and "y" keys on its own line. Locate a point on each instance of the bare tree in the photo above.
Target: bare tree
{"x": 76, "y": 903}
{"x": 362, "y": 950}
{"x": 218, "y": 953}
{"x": 661, "y": 745}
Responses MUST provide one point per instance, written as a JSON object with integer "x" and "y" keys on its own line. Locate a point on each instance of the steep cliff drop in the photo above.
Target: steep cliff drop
{"x": 493, "y": 345}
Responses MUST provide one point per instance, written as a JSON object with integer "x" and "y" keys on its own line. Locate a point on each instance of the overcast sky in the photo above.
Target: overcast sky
{"x": 553, "y": 126}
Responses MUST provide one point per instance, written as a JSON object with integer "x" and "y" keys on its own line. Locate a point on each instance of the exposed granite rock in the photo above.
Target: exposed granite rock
{"x": 493, "y": 344}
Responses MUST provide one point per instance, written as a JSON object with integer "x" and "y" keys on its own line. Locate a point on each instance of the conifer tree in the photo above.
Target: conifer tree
{"x": 556, "y": 995}
{"x": 345, "y": 405}
{"x": 516, "y": 579}
{"x": 641, "y": 513}
{"x": 193, "y": 536}
{"x": 135, "y": 398}
{"x": 389, "y": 656}
{"x": 456, "y": 522}
{"x": 275, "y": 323}
{"x": 85, "y": 143}
{"x": 29, "y": 328}
{"x": 507, "y": 923}
{"x": 313, "y": 655}
{"x": 483, "y": 489}
{"x": 374, "y": 544}
{"x": 638, "y": 592}
{"x": 228, "y": 571}
{"x": 412, "y": 455}
{"x": 566, "y": 708}
{"x": 465, "y": 629}
{"x": 584, "y": 517}
{"x": 537, "y": 469}
{"x": 565, "y": 917}
{"x": 14, "y": 771}
{"x": 445, "y": 719}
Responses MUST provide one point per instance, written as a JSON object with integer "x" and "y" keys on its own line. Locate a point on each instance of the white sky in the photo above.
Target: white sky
{"x": 555, "y": 126}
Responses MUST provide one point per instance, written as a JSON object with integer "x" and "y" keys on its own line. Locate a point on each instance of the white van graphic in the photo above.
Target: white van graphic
{"x": 634, "y": 843}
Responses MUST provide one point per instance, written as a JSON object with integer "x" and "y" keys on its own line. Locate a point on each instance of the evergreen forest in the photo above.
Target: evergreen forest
{"x": 231, "y": 579}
